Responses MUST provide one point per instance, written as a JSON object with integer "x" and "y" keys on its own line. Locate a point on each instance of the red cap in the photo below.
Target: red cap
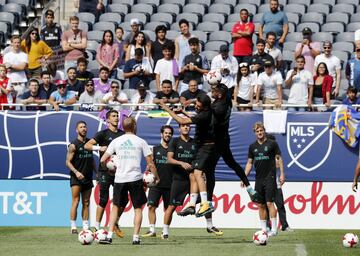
{"x": 61, "y": 82}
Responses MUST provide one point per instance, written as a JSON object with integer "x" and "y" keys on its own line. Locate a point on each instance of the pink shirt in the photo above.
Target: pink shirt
{"x": 309, "y": 60}
{"x": 243, "y": 46}
{"x": 108, "y": 53}
{"x": 72, "y": 38}
{"x": 103, "y": 88}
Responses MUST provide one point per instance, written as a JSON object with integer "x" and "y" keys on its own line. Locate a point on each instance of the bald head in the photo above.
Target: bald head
{"x": 129, "y": 125}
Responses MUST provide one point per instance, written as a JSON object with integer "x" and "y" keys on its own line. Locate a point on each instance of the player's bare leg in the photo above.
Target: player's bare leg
{"x": 152, "y": 221}
{"x": 167, "y": 221}
{"x": 189, "y": 208}
{"x": 75, "y": 194}
{"x": 137, "y": 225}
{"x": 205, "y": 207}
{"x": 85, "y": 200}
{"x": 273, "y": 218}
{"x": 113, "y": 219}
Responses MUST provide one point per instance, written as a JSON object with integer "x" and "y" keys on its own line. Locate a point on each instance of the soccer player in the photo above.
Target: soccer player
{"x": 162, "y": 190}
{"x": 105, "y": 178}
{"x": 81, "y": 164}
{"x": 263, "y": 153}
{"x": 205, "y": 144}
{"x": 128, "y": 177}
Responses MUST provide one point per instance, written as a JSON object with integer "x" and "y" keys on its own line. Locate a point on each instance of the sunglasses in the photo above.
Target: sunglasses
{"x": 34, "y": 33}
{"x": 61, "y": 86}
{"x": 327, "y": 47}
{"x": 244, "y": 64}
{"x": 115, "y": 87}
{"x": 89, "y": 85}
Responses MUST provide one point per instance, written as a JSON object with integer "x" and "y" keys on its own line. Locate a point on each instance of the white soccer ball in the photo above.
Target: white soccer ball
{"x": 86, "y": 237}
{"x": 111, "y": 163}
{"x": 213, "y": 77}
{"x": 350, "y": 240}
{"x": 101, "y": 234}
{"x": 260, "y": 238}
{"x": 149, "y": 179}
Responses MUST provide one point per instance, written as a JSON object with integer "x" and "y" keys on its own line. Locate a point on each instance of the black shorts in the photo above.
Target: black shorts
{"x": 266, "y": 188}
{"x": 179, "y": 190}
{"x": 136, "y": 191}
{"x": 156, "y": 193}
{"x": 204, "y": 158}
{"x": 105, "y": 180}
{"x": 85, "y": 185}
{"x": 242, "y": 101}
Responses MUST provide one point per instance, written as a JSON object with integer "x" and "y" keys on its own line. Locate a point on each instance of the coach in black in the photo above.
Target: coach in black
{"x": 263, "y": 153}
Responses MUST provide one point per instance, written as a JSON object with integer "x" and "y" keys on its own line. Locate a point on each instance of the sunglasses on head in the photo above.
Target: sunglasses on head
{"x": 243, "y": 64}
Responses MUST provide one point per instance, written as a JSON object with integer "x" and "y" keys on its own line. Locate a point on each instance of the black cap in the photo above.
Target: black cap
{"x": 224, "y": 48}
{"x": 141, "y": 86}
{"x": 306, "y": 31}
{"x": 268, "y": 63}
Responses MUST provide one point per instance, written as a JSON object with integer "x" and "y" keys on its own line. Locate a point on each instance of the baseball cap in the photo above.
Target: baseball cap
{"x": 61, "y": 82}
{"x": 224, "y": 48}
{"x": 268, "y": 63}
{"x": 306, "y": 30}
{"x": 135, "y": 21}
{"x": 141, "y": 86}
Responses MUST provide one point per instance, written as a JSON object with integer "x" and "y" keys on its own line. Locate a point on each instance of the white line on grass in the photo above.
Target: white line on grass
{"x": 300, "y": 250}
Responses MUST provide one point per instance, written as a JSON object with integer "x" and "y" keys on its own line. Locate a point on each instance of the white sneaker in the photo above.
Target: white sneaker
{"x": 272, "y": 233}
{"x": 288, "y": 229}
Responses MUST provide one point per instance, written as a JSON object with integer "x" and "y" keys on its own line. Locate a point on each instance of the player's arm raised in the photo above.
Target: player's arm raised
{"x": 69, "y": 157}
{"x": 356, "y": 176}
{"x": 281, "y": 167}
{"x": 180, "y": 120}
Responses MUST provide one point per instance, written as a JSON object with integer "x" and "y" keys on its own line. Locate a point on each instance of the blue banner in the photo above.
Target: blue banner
{"x": 33, "y": 144}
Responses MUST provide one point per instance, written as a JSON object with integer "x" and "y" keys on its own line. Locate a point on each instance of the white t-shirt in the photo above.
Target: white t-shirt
{"x": 148, "y": 100}
{"x": 16, "y": 58}
{"x": 121, "y": 96}
{"x": 129, "y": 149}
{"x": 299, "y": 87}
{"x": 269, "y": 84}
{"x": 165, "y": 69}
{"x": 245, "y": 84}
{"x": 231, "y": 64}
{"x": 275, "y": 53}
{"x": 332, "y": 63}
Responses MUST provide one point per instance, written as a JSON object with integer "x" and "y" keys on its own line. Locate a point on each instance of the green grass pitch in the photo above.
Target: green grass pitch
{"x": 58, "y": 241}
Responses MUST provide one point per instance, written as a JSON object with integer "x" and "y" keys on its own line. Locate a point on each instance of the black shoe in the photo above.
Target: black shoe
{"x": 106, "y": 241}
{"x": 215, "y": 231}
{"x": 136, "y": 242}
{"x": 74, "y": 231}
{"x": 187, "y": 211}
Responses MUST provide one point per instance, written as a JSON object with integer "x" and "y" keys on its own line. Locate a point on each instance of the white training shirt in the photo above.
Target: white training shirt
{"x": 299, "y": 87}
{"x": 245, "y": 84}
{"x": 16, "y": 58}
{"x": 129, "y": 150}
{"x": 165, "y": 69}
{"x": 269, "y": 84}
{"x": 332, "y": 63}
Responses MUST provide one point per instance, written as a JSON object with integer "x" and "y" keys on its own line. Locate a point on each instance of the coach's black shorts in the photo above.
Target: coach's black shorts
{"x": 136, "y": 191}
{"x": 84, "y": 184}
{"x": 179, "y": 190}
{"x": 156, "y": 193}
{"x": 266, "y": 188}
{"x": 105, "y": 180}
{"x": 204, "y": 157}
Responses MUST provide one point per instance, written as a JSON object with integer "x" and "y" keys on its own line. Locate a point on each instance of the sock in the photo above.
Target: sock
{"x": 152, "y": 228}
{"x": 110, "y": 234}
{"x": 203, "y": 196}
{"x": 165, "y": 229}
{"x": 97, "y": 225}
{"x": 250, "y": 190}
{"x": 73, "y": 224}
{"x": 85, "y": 224}
{"x": 136, "y": 238}
{"x": 193, "y": 198}
{"x": 209, "y": 223}
{"x": 263, "y": 225}
{"x": 274, "y": 224}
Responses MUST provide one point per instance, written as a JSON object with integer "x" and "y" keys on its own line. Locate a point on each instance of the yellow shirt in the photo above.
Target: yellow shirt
{"x": 37, "y": 51}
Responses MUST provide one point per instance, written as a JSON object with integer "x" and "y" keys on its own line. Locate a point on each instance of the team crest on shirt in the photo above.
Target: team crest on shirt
{"x": 308, "y": 143}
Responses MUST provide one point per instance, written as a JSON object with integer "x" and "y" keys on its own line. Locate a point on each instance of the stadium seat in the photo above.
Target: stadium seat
{"x": 295, "y": 8}
{"x": 263, "y": 8}
{"x": 338, "y": 17}
{"x": 315, "y": 27}
{"x": 86, "y": 17}
{"x": 250, "y": 7}
{"x": 329, "y": 2}
{"x": 333, "y": 27}
{"x": 172, "y": 34}
{"x": 150, "y": 33}
{"x": 320, "y": 8}
{"x": 228, "y": 26}
{"x": 345, "y": 8}
{"x": 343, "y": 46}
{"x": 322, "y": 36}
{"x": 92, "y": 45}
{"x": 9, "y": 18}
{"x": 344, "y": 85}
{"x": 345, "y": 37}
{"x": 256, "y": 18}
{"x": 232, "y": 3}
{"x": 122, "y": 9}
{"x": 206, "y": 3}
{"x": 353, "y": 26}
{"x": 343, "y": 56}
{"x": 304, "y": 2}
{"x": 221, "y": 36}
{"x": 292, "y": 27}
{"x": 214, "y": 17}
{"x": 355, "y": 17}
{"x": 111, "y": 17}
{"x": 313, "y": 17}
{"x": 84, "y": 26}
{"x": 254, "y": 2}
{"x": 5, "y": 28}
{"x": 213, "y": 45}
{"x": 126, "y": 2}
{"x": 293, "y": 17}
{"x": 95, "y": 35}
{"x": 294, "y": 37}
{"x": 191, "y": 17}
{"x": 143, "y": 8}
{"x": 140, "y": 16}
{"x": 126, "y": 26}
{"x": 15, "y": 9}
{"x": 169, "y": 8}
{"x": 195, "y": 8}
{"x": 178, "y": 2}
{"x": 151, "y": 2}
{"x": 354, "y": 2}
{"x": 91, "y": 55}
{"x": 290, "y": 46}
{"x": 152, "y": 25}
{"x": 233, "y": 17}
{"x": 209, "y": 54}
{"x": 208, "y": 26}
{"x": 220, "y": 8}
{"x": 104, "y": 25}
{"x": 201, "y": 35}
{"x": 164, "y": 17}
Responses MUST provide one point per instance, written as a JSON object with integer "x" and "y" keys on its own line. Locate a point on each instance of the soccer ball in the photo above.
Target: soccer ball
{"x": 86, "y": 237}
{"x": 260, "y": 238}
{"x": 350, "y": 240}
{"x": 213, "y": 77}
{"x": 100, "y": 235}
{"x": 111, "y": 163}
{"x": 149, "y": 179}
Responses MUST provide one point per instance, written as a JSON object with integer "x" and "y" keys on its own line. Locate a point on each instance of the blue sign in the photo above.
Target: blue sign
{"x": 33, "y": 145}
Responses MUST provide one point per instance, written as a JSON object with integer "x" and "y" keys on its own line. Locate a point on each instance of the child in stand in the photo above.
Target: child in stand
{"x": 351, "y": 98}
{"x": 5, "y": 92}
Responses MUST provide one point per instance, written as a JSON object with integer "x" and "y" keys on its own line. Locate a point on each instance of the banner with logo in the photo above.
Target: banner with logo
{"x": 33, "y": 145}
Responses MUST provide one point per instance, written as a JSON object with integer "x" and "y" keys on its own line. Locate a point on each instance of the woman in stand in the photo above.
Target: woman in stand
{"x": 107, "y": 54}
{"x": 322, "y": 87}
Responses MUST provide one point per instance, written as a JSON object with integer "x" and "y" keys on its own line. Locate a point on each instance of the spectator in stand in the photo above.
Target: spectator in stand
{"x": 157, "y": 45}
{"x": 46, "y": 86}
{"x": 90, "y": 96}
{"x": 227, "y": 66}
{"x": 38, "y": 52}
{"x": 352, "y": 70}
{"x": 245, "y": 88}
{"x": 167, "y": 94}
{"x": 167, "y": 67}
{"x": 73, "y": 84}
{"x": 270, "y": 82}
{"x": 135, "y": 28}
{"x": 55, "y": 73}
{"x": 62, "y": 96}
{"x": 182, "y": 47}
{"x": 16, "y": 63}
{"x": 82, "y": 75}
{"x": 323, "y": 82}
{"x": 188, "y": 97}
{"x": 333, "y": 66}
{"x": 139, "y": 41}
{"x": 301, "y": 84}
{"x": 115, "y": 96}
{"x": 272, "y": 50}
{"x": 73, "y": 42}
{"x": 258, "y": 59}
{"x": 242, "y": 33}
{"x": 4, "y": 93}
{"x": 103, "y": 83}
{"x": 136, "y": 70}
{"x": 274, "y": 20}
{"x": 194, "y": 66}
{"x": 93, "y": 6}
{"x": 51, "y": 32}
{"x": 351, "y": 97}
{"x": 34, "y": 96}
{"x": 119, "y": 33}
{"x": 308, "y": 49}
{"x": 142, "y": 96}
{"x": 107, "y": 54}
